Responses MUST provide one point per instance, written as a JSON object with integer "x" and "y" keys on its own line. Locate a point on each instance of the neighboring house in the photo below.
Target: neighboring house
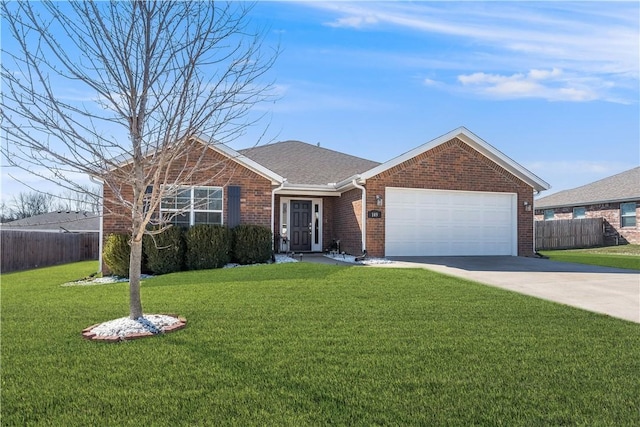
{"x": 62, "y": 222}
{"x": 454, "y": 195}
{"x": 49, "y": 239}
{"x": 615, "y": 199}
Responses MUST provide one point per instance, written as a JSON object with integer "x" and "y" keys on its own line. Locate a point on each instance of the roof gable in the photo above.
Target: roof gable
{"x": 307, "y": 164}
{"x": 476, "y": 143}
{"x": 243, "y": 160}
{"x": 616, "y": 188}
{"x": 222, "y": 149}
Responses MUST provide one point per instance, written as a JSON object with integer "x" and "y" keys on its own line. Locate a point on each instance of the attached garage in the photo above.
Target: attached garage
{"x": 424, "y": 222}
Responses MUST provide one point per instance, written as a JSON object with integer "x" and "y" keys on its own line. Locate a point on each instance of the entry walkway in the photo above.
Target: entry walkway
{"x": 319, "y": 258}
{"x": 611, "y": 291}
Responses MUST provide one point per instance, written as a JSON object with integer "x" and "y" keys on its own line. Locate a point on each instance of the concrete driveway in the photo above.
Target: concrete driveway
{"x": 611, "y": 291}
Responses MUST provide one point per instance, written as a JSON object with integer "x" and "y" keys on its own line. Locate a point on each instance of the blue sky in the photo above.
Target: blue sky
{"x": 553, "y": 85}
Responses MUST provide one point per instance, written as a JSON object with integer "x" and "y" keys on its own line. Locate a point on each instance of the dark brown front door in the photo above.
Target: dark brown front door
{"x": 300, "y": 225}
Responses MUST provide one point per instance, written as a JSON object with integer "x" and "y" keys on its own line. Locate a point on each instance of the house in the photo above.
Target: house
{"x": 58, "y": 222}
{"x": 615, "y": 199}
{"x": 454, "y": 195}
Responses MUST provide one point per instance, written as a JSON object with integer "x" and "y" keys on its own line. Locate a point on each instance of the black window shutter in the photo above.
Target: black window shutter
{"x": 147, "y": 198}
{"x": 233, "y": 206}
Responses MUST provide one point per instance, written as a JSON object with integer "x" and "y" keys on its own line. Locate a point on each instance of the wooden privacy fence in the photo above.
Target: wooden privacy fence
{"x": 22, "y": 250}
{"x": 569, "y": 233}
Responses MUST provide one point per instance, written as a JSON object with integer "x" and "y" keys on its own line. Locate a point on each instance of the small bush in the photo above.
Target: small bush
{"x": 116, "y": 254}
{"x": 251, "y": 244}
{"x": 208, "y": 246}
{"x": 165, "y": 251}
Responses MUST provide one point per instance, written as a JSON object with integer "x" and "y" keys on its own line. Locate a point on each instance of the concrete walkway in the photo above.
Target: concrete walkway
{"x": 611, "y": 291}
{"x": 319, "y": 258}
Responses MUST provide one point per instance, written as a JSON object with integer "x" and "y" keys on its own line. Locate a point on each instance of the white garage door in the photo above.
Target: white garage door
{"x": 442, "y": 223}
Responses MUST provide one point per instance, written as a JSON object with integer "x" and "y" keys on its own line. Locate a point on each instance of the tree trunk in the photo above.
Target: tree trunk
{"x": 135, "y": 266}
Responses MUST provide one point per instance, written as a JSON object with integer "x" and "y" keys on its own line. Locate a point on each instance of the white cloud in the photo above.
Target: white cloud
{"x": 354, "y": 22}
{"x": 597, "y": 44}
{"x": 551, "y": 85}
{"x": 544, "y": 74}
{"x": 431, "y": 82}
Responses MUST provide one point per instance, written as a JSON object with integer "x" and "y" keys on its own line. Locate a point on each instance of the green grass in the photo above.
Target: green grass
{"x": 626, "y": 256}
{"x": 306, "y": 344}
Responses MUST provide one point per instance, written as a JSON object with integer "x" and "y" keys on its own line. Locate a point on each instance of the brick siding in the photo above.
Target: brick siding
{"x": 614, "y": 234}
{"x": 255, "y": 193}
{"x": 452, "y": 165}
{"x": 347, "y": 221}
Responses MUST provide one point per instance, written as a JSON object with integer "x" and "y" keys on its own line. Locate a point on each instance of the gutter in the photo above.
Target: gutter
{"x": 346, "y": 184}
{"x": 101, "y": 214}
{"x": 363, "y": 214}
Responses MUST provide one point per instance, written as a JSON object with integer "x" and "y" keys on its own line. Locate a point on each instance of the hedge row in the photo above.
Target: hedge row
{"x": 197, "y": 248}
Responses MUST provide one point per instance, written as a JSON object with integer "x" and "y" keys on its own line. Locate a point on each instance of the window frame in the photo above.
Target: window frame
{"x": 584, "y": 212}
{"x": 546, "y": 211}
{"x": 193, "y": 206}
{"x": 631, "y": 215}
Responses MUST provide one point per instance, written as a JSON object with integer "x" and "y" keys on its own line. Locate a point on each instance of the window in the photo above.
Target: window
{"x": 548, "y": 214}
{"x": 628, "y": 214}
{"x": 317, "y": 223}
{"x": 193, "y": 205}
{"x": 579, "y": 213}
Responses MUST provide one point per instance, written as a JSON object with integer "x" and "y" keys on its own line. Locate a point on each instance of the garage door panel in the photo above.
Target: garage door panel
{"x": 445, "y": 223}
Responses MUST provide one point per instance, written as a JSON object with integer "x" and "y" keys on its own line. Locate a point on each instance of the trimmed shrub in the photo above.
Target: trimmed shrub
{"x": 251, "y": 244}
{"x": 208, "y": 246}
{"x": 116, "y": 254}
{"x": 165, "y": 251}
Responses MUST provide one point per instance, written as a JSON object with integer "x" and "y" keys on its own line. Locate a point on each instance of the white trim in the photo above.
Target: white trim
{"x": 191, "y": 210}
{"x": 240, "y": 158}
{"x": 363, "y": 214}
{"x": 315, "y": 247}
{"x": 273, "y": 216}
{"x": 221, "y": 149}
{"x": 476, "y": 143}
{"x": 101, "y": 214}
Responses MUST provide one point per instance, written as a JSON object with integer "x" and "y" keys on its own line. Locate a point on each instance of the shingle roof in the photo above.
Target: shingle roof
{"x": 616, "y": 188}
{"x": 302, "y": 163}
{"x": 57, "y": 221}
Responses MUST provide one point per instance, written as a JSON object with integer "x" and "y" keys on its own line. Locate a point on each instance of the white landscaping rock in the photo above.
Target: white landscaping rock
{"x": 125, "y": 326}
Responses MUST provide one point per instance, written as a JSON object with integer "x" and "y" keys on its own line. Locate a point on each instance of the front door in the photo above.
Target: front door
{"x": 300, "y": 225}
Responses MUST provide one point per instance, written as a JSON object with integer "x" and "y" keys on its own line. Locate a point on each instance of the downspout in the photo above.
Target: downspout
{"x": 273, "y": 212}
{"x": 363, "y": 214}
{"x": 101, "y": 214}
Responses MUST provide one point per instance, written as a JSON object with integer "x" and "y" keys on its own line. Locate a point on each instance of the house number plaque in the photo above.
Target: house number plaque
{"x": 374, "y": 214}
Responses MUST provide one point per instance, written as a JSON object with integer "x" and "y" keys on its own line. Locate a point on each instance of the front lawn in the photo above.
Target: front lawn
{"x": 307, "y": 344}
{"x": 623, "y": 256}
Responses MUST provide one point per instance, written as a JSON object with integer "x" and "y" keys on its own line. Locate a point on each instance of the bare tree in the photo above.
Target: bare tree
{"x": 87, "y": 199}
{"x": 120, "y": 90}
{"x": 31, "y": 203}
{"x": 5, "y": 212}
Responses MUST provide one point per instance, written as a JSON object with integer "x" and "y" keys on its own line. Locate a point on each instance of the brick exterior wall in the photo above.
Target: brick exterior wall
{"x": 614, "y": 234}
{"x": 452, "y": 165}
{"x": 255, "y": 193}
{"x": 347, "y": 221}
